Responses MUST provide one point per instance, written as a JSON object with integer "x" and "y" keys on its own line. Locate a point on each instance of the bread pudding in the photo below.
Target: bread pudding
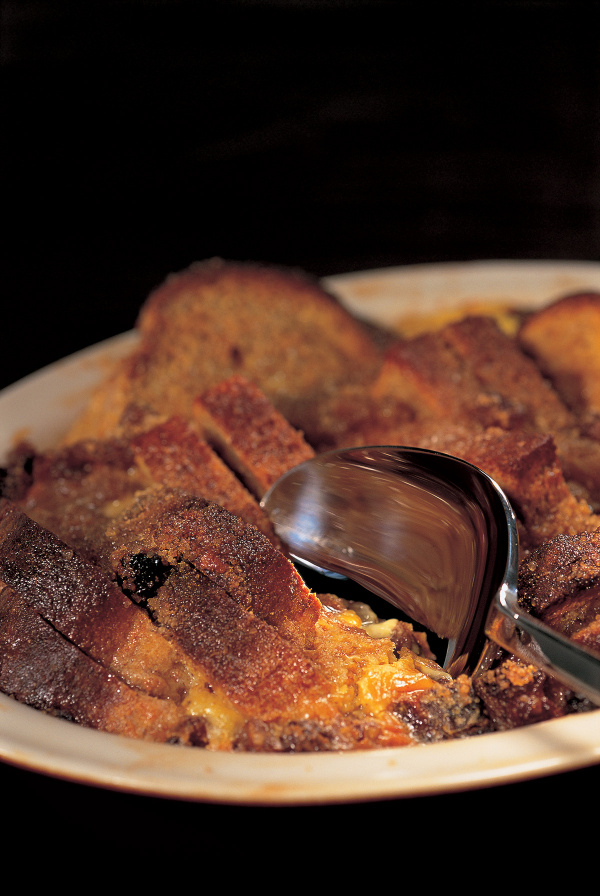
{"x": 144, "y": 592}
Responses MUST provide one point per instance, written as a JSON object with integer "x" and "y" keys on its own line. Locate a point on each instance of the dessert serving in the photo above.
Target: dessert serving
{"x": 144, "y": 592}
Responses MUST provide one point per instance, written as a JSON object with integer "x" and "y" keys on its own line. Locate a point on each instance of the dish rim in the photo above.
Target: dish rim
{"x": 40, "y": 743}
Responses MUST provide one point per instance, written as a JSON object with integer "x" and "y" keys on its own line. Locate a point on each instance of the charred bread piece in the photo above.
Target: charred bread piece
{"x": 249, "y": 433}
{"x": 77, "y": 599}
{"x": 221, "y": 663}
{"x": 514, "y": 694}
{"x": 40, "y": 667}
{"x": 560, "y": 583}
{"x": 74, "y": 490}
{"x": 564, "y": 340}
{"x": 277, "y": 327}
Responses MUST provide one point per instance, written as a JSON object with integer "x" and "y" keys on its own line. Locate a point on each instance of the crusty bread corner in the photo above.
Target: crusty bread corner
{"x": 564, "y": 340}
{"x": 277, "y": 327}
{"x": 242, "y": 425}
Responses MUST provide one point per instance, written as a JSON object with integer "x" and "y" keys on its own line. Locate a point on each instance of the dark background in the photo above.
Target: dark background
{"x": 139, "y": 136}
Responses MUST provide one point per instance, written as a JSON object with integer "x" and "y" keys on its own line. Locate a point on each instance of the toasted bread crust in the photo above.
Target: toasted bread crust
{"x": 564, "y": 340}
{"x": 232, "y": 554}
{"x": 244, "y": 427}
{"x": 277, "y": 327}
{"x": 40, "y": 667}
{"x": 74, "y": 596}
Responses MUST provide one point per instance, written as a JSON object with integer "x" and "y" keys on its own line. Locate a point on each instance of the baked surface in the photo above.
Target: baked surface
{"x": 154, "y": 598}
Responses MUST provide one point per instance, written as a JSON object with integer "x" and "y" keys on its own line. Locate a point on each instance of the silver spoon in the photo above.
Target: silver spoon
{"x": 434, "y": 536}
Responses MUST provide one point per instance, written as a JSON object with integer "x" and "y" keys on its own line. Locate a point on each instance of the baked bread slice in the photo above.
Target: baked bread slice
{"x": 564, "y": 340}
{"x": 525, "y": 464}
{"x": 42, "y": 668}
{"x": 255, "y": 440}
{"x": 277, "y": 327}
{"x": 76, "y": 489}
{"x": 75, "y": 597}
{"x": 559, "y": 582}
{"x": 472, "y": 374}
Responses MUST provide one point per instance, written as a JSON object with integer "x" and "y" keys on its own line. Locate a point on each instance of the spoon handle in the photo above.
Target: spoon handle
{"x": 531, "y": 640}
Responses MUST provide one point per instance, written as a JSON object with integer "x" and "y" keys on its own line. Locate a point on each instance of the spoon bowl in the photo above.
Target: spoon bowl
{"x": 434, "y": 536}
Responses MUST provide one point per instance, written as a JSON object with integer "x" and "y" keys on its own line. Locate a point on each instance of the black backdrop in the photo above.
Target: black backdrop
{"x": 139, "y": 136}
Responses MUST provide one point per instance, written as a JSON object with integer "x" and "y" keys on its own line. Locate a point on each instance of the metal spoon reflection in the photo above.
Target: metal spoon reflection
{"x": 433, "y": 535}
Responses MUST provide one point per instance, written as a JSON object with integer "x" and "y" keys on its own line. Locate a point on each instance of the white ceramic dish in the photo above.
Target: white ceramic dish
{"x": 40, "y": 407}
